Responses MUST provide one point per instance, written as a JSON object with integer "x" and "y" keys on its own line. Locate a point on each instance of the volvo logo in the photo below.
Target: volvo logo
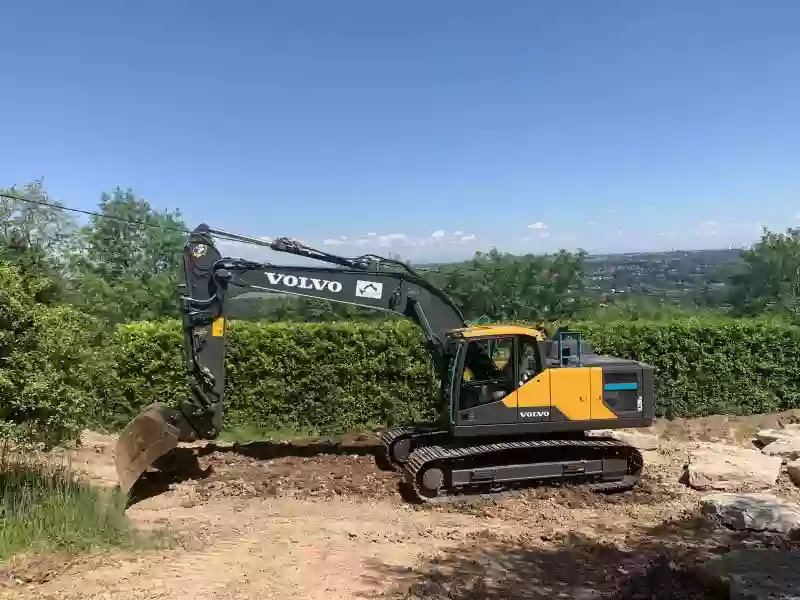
{"x": 303, "y": 283}
{"x": 534, "y": 414}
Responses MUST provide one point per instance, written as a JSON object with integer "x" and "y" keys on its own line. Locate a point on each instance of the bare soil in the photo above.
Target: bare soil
{"x": 318, "y": 519}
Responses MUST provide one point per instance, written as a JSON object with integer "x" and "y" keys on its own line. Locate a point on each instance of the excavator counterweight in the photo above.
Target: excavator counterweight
{"x": 514, "y": 406}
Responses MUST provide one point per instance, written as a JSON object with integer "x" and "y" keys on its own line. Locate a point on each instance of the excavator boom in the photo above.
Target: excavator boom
{"x": 212, "y": 284}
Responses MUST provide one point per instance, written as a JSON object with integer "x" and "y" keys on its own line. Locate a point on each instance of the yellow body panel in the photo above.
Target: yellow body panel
{"x": 218, "y": 327}
{"x": 570, "y": 389}
{"x": 534, "y": 393}
{"x": 599, "y": 410}
{"x": 499, "y": 330}
{"x": 576, "y": 392}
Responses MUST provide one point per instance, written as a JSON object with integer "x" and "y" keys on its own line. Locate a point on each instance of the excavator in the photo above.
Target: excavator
{"x": 515, "y": 406}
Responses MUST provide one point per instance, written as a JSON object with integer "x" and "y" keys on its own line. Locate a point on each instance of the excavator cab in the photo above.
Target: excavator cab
{"x": 515, "y": 380}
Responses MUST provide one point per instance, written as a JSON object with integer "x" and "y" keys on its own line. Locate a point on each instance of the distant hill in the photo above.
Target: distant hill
{"x": 694, "y": 276}
{"x": 697, "y": 275}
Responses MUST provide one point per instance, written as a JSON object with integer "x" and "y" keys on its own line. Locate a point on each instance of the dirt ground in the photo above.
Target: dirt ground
{"x": 320, "y": 520}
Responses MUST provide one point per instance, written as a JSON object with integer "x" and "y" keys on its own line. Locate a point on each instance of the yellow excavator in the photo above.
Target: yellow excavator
{"x": 515, "y": 407}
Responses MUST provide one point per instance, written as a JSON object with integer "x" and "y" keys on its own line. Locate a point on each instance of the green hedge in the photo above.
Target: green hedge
{"x": 327, "y": 377}
{"x": 714, "y": 366}
{"x": 334, "y": 377}
{"x": 52, "y": 363}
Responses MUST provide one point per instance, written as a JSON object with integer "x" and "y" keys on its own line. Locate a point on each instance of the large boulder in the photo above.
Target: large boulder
{"x": 725, "y": 467}
{"x": 787, "y": 448}
{"x": 767, "y": 436}
{"x": 755, "y": 512}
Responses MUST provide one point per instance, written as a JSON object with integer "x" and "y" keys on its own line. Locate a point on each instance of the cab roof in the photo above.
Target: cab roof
{"x": 492, "y": 330}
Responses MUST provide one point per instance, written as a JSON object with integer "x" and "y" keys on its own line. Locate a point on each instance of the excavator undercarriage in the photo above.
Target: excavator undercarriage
{"x": 515, "y": 407}
{"x": 451, "y": 472}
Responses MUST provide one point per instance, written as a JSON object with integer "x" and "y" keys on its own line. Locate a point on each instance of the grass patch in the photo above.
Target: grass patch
{"x": 246, "y": 432}
{"x": 44, "y": 507}
{"x": 253, "y": 433}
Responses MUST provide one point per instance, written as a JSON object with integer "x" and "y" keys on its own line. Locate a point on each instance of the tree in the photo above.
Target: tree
{"x": 768, "y": 280}
{"x": 506, "y": 287}
{"x": 51, "y": 363}
{"x": 126, "y": 271}
{"x": 35, "y": 237}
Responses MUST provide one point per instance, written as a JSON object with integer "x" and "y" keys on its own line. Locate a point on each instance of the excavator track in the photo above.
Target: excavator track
{"x": 457, "y": 473}
{"x": 399, "y": 442}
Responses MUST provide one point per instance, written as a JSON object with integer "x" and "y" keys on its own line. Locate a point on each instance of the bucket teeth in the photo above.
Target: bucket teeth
{"x": 151, "y": 434}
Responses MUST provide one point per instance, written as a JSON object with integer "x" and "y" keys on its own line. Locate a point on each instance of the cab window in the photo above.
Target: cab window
{"x": 530, "y": 363}
{"x": 488, "y": 371}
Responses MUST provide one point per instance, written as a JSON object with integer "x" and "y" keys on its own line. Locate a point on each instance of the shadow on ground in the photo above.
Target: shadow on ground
{"x": 264, "y": 450}
{"x": 178, "y": 465}
{"x": 666, "y": 562}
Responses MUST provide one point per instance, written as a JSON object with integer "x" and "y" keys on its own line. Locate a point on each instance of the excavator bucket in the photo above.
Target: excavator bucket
{"x": 150, "y": 435}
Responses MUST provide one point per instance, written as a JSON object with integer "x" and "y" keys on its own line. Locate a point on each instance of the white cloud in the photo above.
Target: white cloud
{"x": 544, "y": 234}
{"x": 591, "y": 223}
{"x": 538, "y": 225}
{"x": 391, "y": 238}
{"x": 438, "y": 239}
{"x": 242, "y": 249}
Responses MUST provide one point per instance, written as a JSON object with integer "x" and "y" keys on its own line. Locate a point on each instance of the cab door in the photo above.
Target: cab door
{"x": 533, "y": 393}
{"x": 488, "y": 388}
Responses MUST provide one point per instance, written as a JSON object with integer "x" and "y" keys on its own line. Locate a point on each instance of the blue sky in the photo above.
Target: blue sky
{"x": 428, "y": 129}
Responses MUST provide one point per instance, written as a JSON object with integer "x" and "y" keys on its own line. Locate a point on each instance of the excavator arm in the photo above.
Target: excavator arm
{"x": 213, "y": 285}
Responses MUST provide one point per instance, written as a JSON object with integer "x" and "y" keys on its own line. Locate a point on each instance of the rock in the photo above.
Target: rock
{"x": 793, "y": 470}
{"x": 787, "y": 448}
{"x": 642, "y": 441}
{"x": 637, "y": 439}
{"x": 783, "y": 442}
{"x": 723, "y": 467}
{"x": 756, "y": 512}
{"x": 767, "y": 436}
{"x": 758, "y": 574}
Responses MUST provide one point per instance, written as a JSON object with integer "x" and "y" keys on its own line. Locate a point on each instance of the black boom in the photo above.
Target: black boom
{"x": 212, "y": 282}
